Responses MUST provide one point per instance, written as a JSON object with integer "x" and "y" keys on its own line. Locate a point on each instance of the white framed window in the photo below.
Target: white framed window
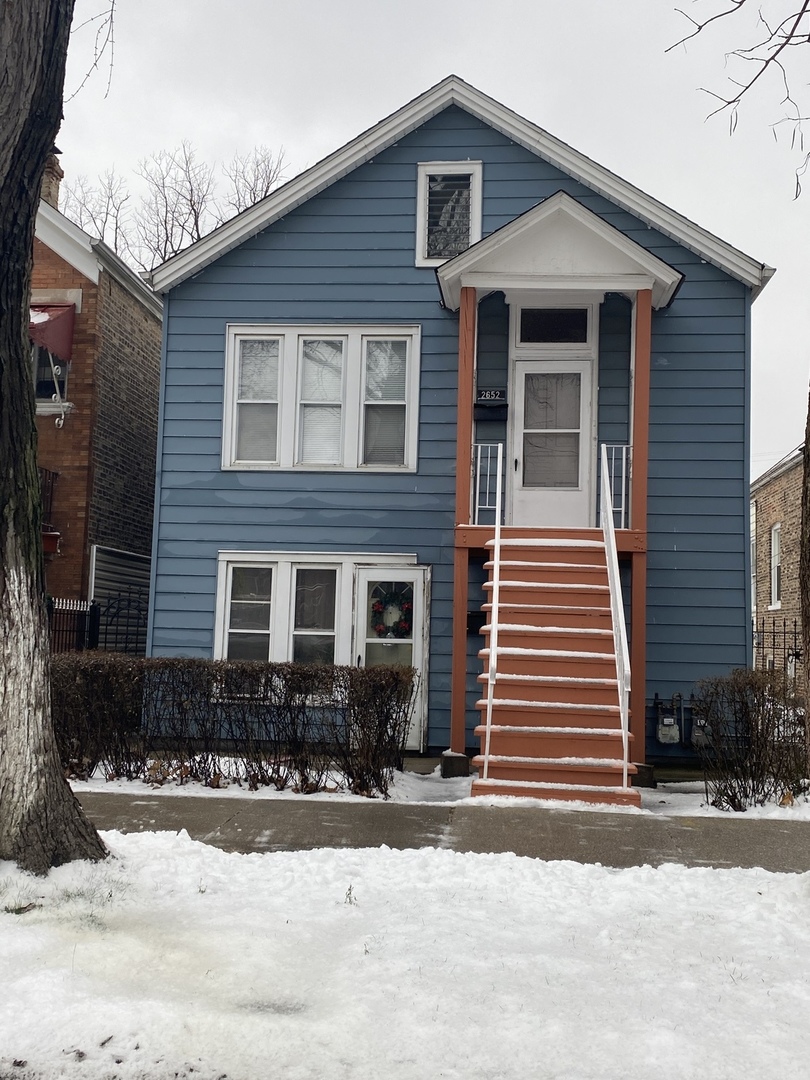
{"x": 326, "y": 607}
{"x": 310, "y": 607}
{"x": 558, "y": 328}
{"x": 321, "y": 397}
{"x": 776, "y": 566}
{"x": 448, "y": 209}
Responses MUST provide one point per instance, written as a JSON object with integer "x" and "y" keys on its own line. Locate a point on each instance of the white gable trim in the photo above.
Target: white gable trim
{"x": 454, "y": 91}
{"x": 90, "y": 256}
{"x": 67, "y": 240}
{"x": 599, "y": 257}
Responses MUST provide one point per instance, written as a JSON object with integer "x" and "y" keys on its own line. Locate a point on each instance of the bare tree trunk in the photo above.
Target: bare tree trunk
{"x": 41, "y": 822}
{"x": 804, "y": 573}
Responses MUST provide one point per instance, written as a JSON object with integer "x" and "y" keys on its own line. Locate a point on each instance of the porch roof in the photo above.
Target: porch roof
{"x": 557, "y": 245}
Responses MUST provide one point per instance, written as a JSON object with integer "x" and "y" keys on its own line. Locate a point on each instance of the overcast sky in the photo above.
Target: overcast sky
{"x": 308, "y": 75}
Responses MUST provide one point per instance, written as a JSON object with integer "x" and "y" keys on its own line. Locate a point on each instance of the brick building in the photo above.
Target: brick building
{"x": 96, "y": 332}
{"x": 776, "y": 514}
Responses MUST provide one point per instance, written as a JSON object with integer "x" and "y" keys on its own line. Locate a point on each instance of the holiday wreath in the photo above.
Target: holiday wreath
{"x": 396, "y": 603}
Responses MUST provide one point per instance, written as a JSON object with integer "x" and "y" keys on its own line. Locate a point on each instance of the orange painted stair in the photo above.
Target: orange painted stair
{"x": 556, "y": 727}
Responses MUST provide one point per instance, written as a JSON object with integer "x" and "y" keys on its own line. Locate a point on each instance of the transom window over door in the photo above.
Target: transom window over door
{"x": 319, "y": 398}
{"x": 448, "y": 214}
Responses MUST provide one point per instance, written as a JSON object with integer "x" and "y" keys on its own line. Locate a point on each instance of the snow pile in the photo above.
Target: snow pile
{"x": 177, "y": 959}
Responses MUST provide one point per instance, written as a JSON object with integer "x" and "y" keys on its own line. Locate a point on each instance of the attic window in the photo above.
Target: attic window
{"x": 448, "y": 217}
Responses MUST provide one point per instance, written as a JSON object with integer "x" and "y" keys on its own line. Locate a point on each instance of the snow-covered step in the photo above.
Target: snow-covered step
{"x": 589, "y": 638}
{"x": 590, "y": 793}
{"x": 552, "y": 744}
{"x": 525, "y": 661}
{"x": 601, "y": 771}
{"x": 515, "y": 712}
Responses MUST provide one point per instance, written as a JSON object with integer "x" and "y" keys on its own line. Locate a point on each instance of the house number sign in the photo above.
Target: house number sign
{"x": 491, "y": 397}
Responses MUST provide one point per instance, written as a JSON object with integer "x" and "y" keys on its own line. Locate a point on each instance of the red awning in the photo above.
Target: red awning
{"x": 51, "y": 326}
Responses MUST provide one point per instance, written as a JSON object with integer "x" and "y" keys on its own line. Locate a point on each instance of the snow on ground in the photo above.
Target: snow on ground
{"x": 175, "y": 959}
{"x": 669, "y": 799}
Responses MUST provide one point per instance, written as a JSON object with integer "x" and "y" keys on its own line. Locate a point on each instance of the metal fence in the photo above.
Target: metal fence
{"x": 117, "y": 624}
{"x": 778, "y": 645}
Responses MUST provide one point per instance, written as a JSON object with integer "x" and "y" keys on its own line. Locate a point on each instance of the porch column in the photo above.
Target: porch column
{"x": 464, "y": 433}
{"x": 638, "y": 518}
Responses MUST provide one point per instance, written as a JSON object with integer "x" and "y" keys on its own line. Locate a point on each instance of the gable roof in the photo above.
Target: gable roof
{"x": 89, "y": 256}
{"x": 558, "y": 244}
{"x": 454, "y": 91}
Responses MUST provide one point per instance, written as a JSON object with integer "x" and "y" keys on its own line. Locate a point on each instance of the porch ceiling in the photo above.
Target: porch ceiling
{"x": 557, "y": 245}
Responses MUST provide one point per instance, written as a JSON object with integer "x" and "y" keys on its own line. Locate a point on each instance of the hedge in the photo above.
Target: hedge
{"x": 302, "y": 727}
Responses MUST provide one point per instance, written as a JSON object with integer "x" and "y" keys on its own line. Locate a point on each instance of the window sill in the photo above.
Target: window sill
{"x": 54, "y": 408}
{"x": 271, "y": 468}
{"x": 775, "y": 607}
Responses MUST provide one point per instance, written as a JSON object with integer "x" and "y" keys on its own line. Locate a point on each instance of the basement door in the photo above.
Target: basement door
{"x": 391, "y": 628}
{"x": 553, "y": 440}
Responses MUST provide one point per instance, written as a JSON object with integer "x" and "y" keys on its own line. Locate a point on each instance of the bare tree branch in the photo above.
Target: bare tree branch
{"x": 770, "y": 52}
{"x": 103, "y": 46}
{"x": 252, "y": 177}
{"x": 181, "y": 203}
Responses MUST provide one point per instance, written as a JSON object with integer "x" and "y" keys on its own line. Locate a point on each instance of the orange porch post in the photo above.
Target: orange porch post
{"x": 464, "y": 433}
{"x": 638, "y": 518}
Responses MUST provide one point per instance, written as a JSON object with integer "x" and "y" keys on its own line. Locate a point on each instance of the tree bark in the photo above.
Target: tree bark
{"x": 804, "y": 574}
{"x": 41, "y": 821}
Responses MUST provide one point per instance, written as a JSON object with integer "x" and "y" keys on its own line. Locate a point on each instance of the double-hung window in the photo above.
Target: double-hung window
{"x": 342, "y": 397}
{"x": 448, "y": 209}
{"x": 776, "y": 566}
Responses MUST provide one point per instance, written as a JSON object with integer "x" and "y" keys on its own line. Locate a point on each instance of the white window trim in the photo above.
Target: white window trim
{"x": 753, "y": 545}
{"x": 776, "y": 532}
{"x": 290, "y": 337}
{"x": 575, "y": 350}
{"x": 473, "y": 169}
{"x": 282, "y": 611}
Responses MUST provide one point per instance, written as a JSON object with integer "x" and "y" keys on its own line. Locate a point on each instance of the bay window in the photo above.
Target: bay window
{"x": 341, "y": 397}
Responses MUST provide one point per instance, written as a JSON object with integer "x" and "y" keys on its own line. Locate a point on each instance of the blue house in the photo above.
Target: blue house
{"x": 458, "y": 380}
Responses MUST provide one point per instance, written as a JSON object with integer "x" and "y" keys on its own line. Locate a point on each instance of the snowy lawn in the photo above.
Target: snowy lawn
{"x": 175, "y": 959}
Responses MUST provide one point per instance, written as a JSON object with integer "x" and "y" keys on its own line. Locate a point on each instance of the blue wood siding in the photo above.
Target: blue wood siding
{"x": 347, "y": 256}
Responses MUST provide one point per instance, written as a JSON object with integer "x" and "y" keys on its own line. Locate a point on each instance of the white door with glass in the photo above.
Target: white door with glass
{"x": 390, "y": 629}
{"x": 551, "y": 465}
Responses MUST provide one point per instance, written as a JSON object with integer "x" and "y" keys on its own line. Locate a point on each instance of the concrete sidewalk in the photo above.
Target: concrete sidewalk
{"x": 613, "y": 839}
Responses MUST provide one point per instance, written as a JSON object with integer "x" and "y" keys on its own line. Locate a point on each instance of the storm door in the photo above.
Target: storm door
{"x": 551, "y": 464}
{"x": 391, "y": 629}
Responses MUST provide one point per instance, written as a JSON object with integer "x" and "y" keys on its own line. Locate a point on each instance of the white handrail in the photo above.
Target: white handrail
{"x": 494, "y": 614}
{"x": 617, "y": 610}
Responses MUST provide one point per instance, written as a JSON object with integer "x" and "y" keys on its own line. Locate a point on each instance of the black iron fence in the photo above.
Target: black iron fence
{"x": 778, "y": 645}
{"x": 116, "y": 624}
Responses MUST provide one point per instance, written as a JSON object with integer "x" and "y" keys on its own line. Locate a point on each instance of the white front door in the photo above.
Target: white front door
{"x": 391, "y": 629}
{"x": 553, "y": 443}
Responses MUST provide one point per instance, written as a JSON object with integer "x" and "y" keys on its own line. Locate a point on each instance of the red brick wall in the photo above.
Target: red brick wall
{"x": 104, "y": 454}
{"x": 125, "y": 426}
{"x": 66, "y": 450}
{"x": 779, "y": 501}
